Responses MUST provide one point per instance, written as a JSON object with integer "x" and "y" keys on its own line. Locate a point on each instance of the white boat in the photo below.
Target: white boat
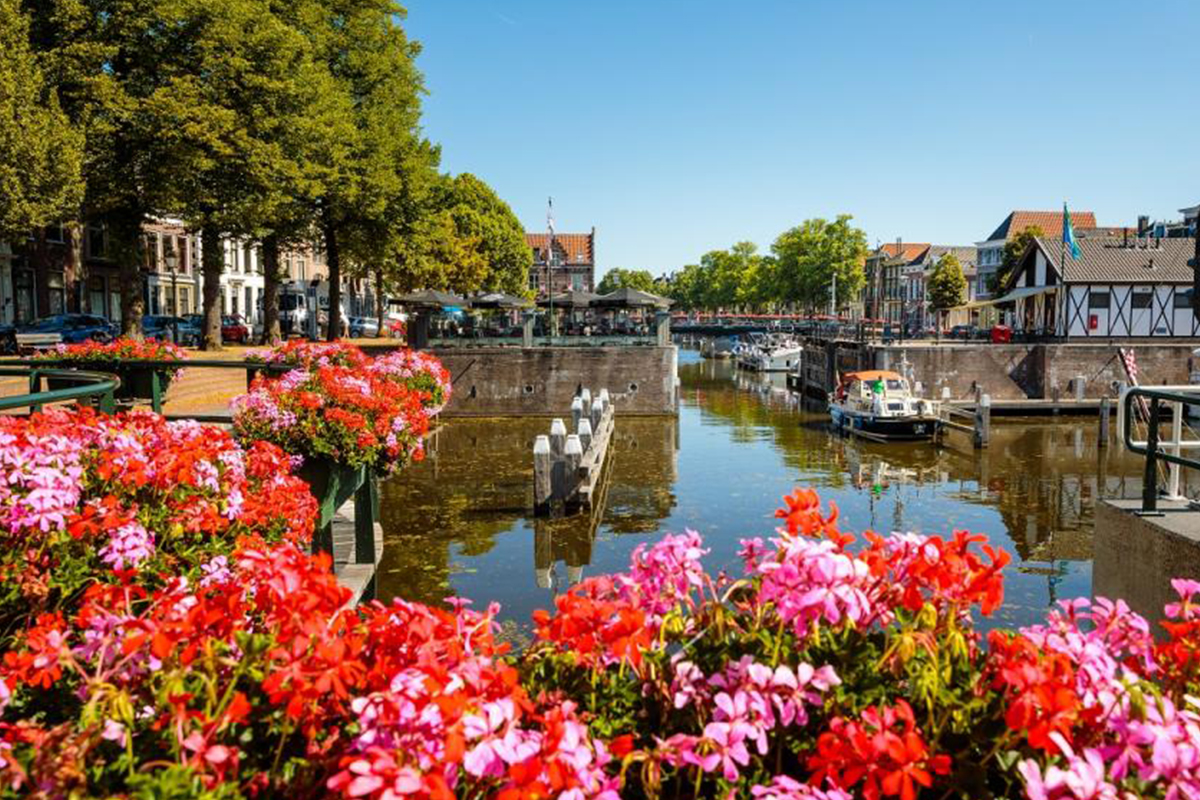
{"x": 879, "y": 405}
{"x": 771, "y": 353}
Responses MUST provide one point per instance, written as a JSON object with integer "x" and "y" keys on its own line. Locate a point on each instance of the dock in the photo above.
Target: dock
{"x": 567, "y": 467}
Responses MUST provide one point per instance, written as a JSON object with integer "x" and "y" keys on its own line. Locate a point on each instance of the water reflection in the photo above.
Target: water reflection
{"x": 462, "y": 521}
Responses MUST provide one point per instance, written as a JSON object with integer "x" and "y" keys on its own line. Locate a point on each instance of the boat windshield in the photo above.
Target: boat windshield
{"x": 895, "y": 385}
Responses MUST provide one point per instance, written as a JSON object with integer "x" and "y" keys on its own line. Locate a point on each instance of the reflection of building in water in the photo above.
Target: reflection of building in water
{"x": 476, "y": 487}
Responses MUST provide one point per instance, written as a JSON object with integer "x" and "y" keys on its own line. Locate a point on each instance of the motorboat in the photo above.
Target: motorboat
{"x": 880, "y": 405}
{"x": 773, "y": 352}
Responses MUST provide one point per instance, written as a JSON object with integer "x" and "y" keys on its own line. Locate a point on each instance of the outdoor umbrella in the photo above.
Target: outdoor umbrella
{"x": 626, "y": 297}
{"x": 430, "y": 298}
{"x": 572, "y": 299}
{"x": 498, "y": 300}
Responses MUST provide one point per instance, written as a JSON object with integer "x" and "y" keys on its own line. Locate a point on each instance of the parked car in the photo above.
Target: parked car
{"x": 191, "y": 330}
{"x": 234, "y": 329}
{"x": 364, "y": 326}
{"x": 162, "y": 328}
{"x": 73, "y": 328}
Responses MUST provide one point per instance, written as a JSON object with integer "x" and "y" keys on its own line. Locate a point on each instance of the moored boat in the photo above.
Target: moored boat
{"x": 879, "y": 405}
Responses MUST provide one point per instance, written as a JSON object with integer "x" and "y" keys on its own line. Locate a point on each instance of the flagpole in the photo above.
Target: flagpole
{"x": 550, "y": 270}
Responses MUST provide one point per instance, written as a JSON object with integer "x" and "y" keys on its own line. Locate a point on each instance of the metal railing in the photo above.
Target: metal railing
{"x": 1155, "y": 404}
{"x": 100, "y": 385}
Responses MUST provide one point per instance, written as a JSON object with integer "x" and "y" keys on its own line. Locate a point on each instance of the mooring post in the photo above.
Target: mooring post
{"x": 583, "y": 428}
{"x": 586, "y": 395}
{"x": 597, "y": 413}
{"x": 983, "y": 421}
{"x": 527, "y": 330}
{"x": 605, "y": 400}
{"x": 1104, "y": 412}
{"x": 572, "y": 457}
{"x": 558, "y": 437}
{"x": 1080, "y": 385}
{"x": 543, "y": 465}
{"x": 576, "y": 411}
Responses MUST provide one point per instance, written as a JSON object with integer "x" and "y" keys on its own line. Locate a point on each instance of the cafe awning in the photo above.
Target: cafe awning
{"x": 1016, "y": 294}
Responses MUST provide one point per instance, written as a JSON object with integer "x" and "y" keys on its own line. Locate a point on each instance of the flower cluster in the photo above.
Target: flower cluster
{"x": 114, "y": 352}
{"x": 345, "y": 415}
{"x": 86, "y": 496}
{"x": 824, "y": 672}
{"x": 417, "y": 371}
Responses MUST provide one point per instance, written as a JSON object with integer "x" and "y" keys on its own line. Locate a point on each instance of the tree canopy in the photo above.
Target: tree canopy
{"x": 1014, "y": 249}
{"x": 617, "y": 278}
{"x": 946, "y": 286}
{"x": 41, "y": 151}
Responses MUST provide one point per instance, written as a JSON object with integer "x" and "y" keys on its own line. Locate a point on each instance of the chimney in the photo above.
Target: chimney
{"x": 1125, "y": 237}
{"x": 1143, "y": 225}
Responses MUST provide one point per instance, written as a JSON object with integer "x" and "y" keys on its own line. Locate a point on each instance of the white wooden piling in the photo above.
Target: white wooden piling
{"x": 584, "y": 429}
{"x": 1104, "y": 421}
{"x": 558, "y": 437}
{"x": 569, "y": 483}
{"x": 543, "y": 468}
{"x": 576, "y": 411}
{"x": 983, "y": 421}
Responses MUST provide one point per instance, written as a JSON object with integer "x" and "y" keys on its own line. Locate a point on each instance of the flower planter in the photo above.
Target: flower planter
{"x": 136, "y": 382}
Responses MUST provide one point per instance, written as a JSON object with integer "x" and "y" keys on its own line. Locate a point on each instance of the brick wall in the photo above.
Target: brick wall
{"x": 1024, "y": 371}
{"x": 515, "y": 381}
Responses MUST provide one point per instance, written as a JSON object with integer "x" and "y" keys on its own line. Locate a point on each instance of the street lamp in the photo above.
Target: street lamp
{"x": 172, "y": 260}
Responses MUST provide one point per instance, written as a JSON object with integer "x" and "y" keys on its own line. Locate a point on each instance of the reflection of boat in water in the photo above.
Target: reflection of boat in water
{"x": 718, "y": 347}
{"x": 879, "y": 405}
{"x": 772, "y": 352}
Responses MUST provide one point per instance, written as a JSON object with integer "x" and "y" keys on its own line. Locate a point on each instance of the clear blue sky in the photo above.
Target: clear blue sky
{"x": 679, "y": 127}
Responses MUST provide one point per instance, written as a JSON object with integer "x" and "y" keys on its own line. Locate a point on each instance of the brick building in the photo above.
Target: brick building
{"x": 569, "y": 266}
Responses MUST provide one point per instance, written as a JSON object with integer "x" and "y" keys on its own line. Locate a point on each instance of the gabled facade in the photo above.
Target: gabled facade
{"x": 568, "y": 265}
{"x": 1116, "y": 289}
{"x": 991, "y": 250}
{"x": 886, "y": 271}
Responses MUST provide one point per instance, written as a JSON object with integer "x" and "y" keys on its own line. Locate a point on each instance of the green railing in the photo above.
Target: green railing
{"x": 66, "y": 371}
{"x": 1152, "y": 404}
{"x": 99, "y": 385}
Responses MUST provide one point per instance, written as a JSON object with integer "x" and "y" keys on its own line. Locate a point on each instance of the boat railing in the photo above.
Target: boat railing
{"x": 1152, "y": 407}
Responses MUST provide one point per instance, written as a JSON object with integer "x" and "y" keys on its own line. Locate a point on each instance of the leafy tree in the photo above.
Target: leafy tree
{"x": 947, "y": 286}
{"x": 235, "y": 120}
{"x": 1014, "y": 249}
{"x": 617, "y": 278}
{"x": 485, "y": 222}
{"x": 41, "y": 151}
{"x": 809, "y": 255}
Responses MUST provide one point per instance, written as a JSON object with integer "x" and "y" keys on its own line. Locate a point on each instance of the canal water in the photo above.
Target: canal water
{"x": 461, "y": 522}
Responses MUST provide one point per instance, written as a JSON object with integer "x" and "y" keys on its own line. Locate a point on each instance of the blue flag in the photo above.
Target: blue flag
{"x": 1069, "y": 235}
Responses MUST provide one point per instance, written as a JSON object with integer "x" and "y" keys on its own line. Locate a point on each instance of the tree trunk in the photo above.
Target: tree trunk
{"x": 333, "y": 261}
{"x": 77, "y": 284}
{"x": 125, "y": 244}
{"x": 380, "y": 302}
{"x": 271, "y": 281}
{"x": 212, "y": 259}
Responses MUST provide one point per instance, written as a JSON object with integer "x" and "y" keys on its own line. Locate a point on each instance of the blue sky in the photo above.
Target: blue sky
{"x": 679, "y": 127}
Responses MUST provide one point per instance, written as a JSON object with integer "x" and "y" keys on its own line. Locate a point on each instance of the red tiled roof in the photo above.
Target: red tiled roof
{"x": 908, "y": 251}
{"x": 573, "y": 248}
{"x": 1051, "y": 223}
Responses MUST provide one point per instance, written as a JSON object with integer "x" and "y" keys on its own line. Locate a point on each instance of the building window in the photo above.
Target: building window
{"x": 97, "y": 295}
{"x": 1098, "y": 300}
{"x": 1183, "y": 298}
{"x": 1141, "y": 298}
{"x": 54, "y": 233}
{"x": 185, "y": 300}
{"x": 96, "y": 243}
{"x": 26, "y": 309}
{"x": 55, "y": 294}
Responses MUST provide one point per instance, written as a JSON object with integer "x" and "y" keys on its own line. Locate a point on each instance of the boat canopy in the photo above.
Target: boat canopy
{"x": 871, "y": 375}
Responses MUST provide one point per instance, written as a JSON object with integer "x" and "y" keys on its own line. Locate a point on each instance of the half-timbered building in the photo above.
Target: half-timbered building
{"x": 1117, "y": 288}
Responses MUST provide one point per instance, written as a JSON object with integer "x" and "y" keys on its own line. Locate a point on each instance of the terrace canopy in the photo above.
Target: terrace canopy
{"x": 499, "y": 300}
{"x": 572, "y": 300}
{"x": 430, "y": 298}
{"x": 626, "y": 297}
